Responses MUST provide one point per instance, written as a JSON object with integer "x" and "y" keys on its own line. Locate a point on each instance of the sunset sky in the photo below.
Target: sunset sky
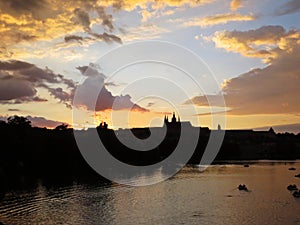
{"x": 251, "y": 48}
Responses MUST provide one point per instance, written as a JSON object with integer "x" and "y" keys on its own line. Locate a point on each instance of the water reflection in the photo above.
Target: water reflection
{"x": 190, "y": 197}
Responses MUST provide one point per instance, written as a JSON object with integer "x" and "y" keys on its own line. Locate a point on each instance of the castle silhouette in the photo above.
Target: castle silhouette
{"x": 175, "y": 122}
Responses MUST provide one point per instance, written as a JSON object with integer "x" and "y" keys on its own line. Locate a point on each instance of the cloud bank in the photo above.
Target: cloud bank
{"x": 20, "y": 80}
{"x": 94, "y": 85}
{"x": 39, "y": 20}
{"x": 290, "y": 7}
{"x": 270, "y": 90}
{"x": 37, "y": 121}
{"x": 266, "y": 42}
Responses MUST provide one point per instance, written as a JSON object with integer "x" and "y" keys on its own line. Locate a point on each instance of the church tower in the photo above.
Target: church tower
{"x": 166, "y": 120}
{"x": 173, "y": 118}
{"x": 174, "y": 123}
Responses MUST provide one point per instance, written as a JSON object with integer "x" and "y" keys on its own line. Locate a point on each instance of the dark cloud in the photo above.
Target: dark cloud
{"x": 108, "y": 38}
{"x": 62, "y": 95}
{"x": 77, "y": 38}
{"x": 38, "y": 75}
{"x": 118, "y": 4}
{"x": 15, "y": 88}
{"x": 107, "y": 19}
{"x": 27, "y": 99}
{"x": 19, "y": 82}
{"x": 271, "y": 90}
{"x": 82, "y": 69}
{"x": 82, "y": 17}
{"x": 94, "y": 85}
{"x": 265, "y": 33}
{"x": 13, "y": 65}
{"x": 14, "y": 110}
{"x": 290, "y": 7}
{"x": 43, "y": 122}
{"x": 112, "y": 84}
{"x": 106, "y": 101}
{"x": 30, "y": 72}
{"x": 91, "y": 70}
{"x": 150, "y": 104}
{"x": 23, "y": 100}
{"x": 39, "y": 9}
{"x": 38, "y": 99}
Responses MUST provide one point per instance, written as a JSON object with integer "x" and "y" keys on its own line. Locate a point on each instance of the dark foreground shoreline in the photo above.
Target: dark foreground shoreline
{"x": 52, "y": 156}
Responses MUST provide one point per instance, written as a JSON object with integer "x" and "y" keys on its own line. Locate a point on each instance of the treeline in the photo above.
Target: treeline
{"x": 28, "y": 154}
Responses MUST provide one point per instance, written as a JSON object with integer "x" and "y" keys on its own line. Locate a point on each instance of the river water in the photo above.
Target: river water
{"x": 190, "y": 197}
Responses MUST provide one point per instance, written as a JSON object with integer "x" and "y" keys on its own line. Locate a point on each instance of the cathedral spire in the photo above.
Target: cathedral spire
{"x": 173, "y": 118}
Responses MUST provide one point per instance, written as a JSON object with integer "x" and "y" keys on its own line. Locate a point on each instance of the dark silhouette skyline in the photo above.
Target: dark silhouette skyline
{"x": 30, "y": 153}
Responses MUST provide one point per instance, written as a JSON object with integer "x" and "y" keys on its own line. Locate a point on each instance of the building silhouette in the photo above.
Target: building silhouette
{"x": 173, "y": 121}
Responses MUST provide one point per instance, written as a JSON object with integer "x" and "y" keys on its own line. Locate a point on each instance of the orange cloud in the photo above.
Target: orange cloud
{"x": 38, "y": 20}
{"x": 218, "y": 19}
{"x": 132, "y": 4}
{"x": 266, "y": 42}
{"x": 24, "y": 22}
{"x": 235, "y": 4}
{"x": 270, "y": 90}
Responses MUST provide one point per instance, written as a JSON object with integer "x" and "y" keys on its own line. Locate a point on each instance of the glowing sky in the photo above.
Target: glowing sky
{"x": 252, "y": 48}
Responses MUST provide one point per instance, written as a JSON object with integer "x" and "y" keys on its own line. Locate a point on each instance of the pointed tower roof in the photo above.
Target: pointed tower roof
{"x": 271, "y": 130}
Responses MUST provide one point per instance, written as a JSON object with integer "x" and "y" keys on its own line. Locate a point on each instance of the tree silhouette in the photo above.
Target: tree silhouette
{"x": 18, "y": 121}
{"x": 102, "y": 125}
{"x": 3, "y": 123}
{"x": 62, "y": 127}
